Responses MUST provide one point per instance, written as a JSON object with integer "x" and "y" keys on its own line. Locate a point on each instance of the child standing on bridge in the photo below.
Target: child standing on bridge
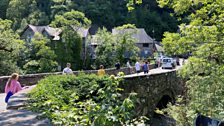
{"x": 12, "y": 86}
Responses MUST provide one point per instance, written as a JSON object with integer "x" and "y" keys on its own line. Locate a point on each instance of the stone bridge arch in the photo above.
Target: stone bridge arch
{"x": 165, "y": 97}
{"x": 153, "y": 89}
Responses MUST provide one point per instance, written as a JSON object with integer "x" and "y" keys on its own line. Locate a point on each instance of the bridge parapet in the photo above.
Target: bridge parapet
{"x": 32, "y": 79}
{"x": 152, "y": 88}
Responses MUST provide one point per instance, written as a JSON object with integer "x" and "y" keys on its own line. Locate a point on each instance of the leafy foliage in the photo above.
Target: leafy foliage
{"x": 131, "y": 3}
{"x": 107, "y": 13}
{"x": 125, "y": 43}
{"x": 39, "y": 56}
{"x": 73, "y": 18}
{"x": 85, "y": 100}
{"x": 70, "y": 48}
{"x": 9, "y": 48}
{"x": 203, "y": 37}
{"x": 105, "y": 48}
{"x": 115, "y": 47}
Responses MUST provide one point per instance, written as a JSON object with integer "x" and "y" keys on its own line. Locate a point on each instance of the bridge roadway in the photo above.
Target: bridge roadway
{"x": 152, "y": 71}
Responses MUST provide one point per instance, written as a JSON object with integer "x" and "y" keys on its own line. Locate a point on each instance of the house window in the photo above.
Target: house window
{"x": 145, "y": 44}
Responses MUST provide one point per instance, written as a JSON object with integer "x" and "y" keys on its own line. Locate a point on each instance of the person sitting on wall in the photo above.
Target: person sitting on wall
{"x": 12, "y": 86}
{"x": 101, "y": 71}
{"x": 67, "y": 70}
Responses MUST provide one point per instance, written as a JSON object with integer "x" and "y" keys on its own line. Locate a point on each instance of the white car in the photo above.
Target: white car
{"x": 168, "y": 63}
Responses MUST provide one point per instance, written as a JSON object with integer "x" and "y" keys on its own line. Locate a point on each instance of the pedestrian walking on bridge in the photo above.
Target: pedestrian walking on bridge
{"x": 137, "y": 67}
{"x": 146, "y": 68}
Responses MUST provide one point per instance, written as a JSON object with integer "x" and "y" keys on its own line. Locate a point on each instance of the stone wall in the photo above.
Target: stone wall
{"x": 31, "y": 79}
{"x": 151, "y": 88}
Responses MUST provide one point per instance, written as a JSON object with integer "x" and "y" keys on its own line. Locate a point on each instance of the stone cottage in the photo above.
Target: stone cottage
{"x": 49, "y": 32}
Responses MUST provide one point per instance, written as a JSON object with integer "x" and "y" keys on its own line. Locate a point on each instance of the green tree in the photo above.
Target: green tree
{"x": 40, "y": 57}
{"x": 3, "y": 8}
{"x": 115, "y": 47}
{"x": 113, "y": 13}
{"x": 10, "y": 46}
{"x": 131, "y": 4}
{"x": 71, "y": 41}
{"x": 19, "y": 9}
{"x": 203, "y": 37}
{"x": 58, "y": 7}
{"x": 105, "y": 50}
{"x": 125, "y": 45}
{"x": 33, "y": 11}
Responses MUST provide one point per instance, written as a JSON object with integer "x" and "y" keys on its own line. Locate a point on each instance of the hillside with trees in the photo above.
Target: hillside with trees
{"x": 109, "y": 13}
{"x": 30, "y": 57}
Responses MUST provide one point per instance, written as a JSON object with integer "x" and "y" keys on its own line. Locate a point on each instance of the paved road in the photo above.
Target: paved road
{"x": 153, "y": 71}
{"x": 2, "y": 102}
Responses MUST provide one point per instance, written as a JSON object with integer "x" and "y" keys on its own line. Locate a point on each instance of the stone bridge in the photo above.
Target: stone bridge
{"x": 154, "y": 90}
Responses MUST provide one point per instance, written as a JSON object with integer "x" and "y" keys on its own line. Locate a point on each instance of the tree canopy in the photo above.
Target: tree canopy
{"x": 9, "y": 48}
{"x": 203, "y": 38}
{"x": 70, "y": 48}
{"x": 107, "y": 13}
{"x": 112, "y": 48}
{"x": 70, "y": 15}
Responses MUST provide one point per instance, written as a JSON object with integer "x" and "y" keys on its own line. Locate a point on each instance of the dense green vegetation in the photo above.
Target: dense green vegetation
{"x": 109, "y": 13}
{"x": 68, "y": 15}
{"x": 203, "y": 37}
{"x": 70, "y": 48}
{"x": 38, "y": 56}
{"x": 87, "y": 100}
{"x": 113, "y": 47}
{"x": 10, "y": 47}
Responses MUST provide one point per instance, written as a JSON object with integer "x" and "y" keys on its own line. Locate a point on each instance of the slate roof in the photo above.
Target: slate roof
{"x": 53, "y": 32}
{"x": 140, "y": 35}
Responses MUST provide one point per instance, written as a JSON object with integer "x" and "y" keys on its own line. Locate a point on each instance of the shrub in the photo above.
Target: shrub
{"x": 84, "y": 99}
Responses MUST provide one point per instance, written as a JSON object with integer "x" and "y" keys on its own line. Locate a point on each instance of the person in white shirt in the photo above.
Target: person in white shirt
{"x": 129, "y": 67}
{"x": 67, "y": 70}
{"x": 137, "y": 67}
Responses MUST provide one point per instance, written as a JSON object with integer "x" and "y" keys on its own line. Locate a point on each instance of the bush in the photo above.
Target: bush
{"x": 84, "y": 99}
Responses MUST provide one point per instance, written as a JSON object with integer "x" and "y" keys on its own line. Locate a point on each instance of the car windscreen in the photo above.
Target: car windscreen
{"x": 167, "y": 60}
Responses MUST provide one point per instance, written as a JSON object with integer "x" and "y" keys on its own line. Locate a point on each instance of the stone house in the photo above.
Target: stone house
{"x": 49, "y": 32}
{"x": 143, "y": 41}
{"x": 53, "y": 34}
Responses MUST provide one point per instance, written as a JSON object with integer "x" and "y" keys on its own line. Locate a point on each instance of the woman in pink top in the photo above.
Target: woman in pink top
{"x": 13, "y": 85}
